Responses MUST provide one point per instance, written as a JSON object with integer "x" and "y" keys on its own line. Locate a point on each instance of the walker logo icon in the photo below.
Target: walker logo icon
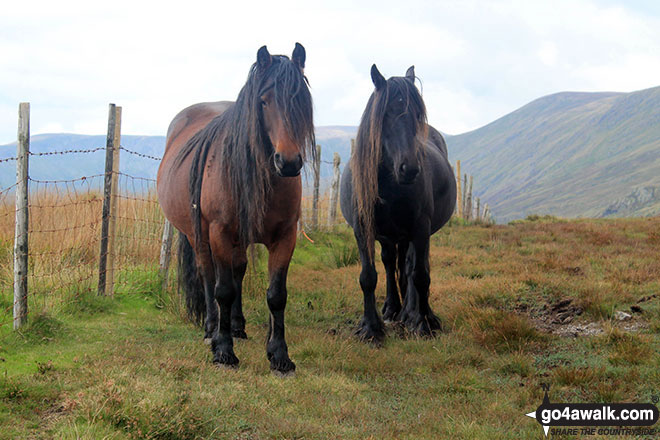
{"x": 620, "y": 418}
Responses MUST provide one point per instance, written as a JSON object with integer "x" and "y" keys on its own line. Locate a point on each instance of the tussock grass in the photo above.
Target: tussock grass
{"x": 504, "y": 332}
{"x": 133, "y": 367}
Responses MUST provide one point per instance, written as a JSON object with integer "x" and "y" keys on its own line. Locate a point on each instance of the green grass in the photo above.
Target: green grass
{"x": 132, "y": 367}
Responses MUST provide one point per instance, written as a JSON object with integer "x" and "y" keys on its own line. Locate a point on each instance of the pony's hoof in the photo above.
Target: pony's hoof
{"x": 390, "y": 313}
{"x": 282, "y": 367}
{"x": 371, "y": 333}
{"x": 210, "y": 331}
{"x": 434, "y": 323}
{"x": 225, "y": 360}
{"x": 238, "y": 333}
{"x": 282, "y": 375}
{"x": 423, "y": 326}
{"x": 208, "y": 341}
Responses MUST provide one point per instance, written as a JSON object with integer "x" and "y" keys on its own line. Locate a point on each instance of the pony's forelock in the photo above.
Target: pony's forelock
{"x": 245, "y": 156}
{"x": 367, "y": 156}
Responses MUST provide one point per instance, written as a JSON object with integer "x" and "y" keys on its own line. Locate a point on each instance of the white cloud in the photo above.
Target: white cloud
{"x": 548, "y": 53}
{"x": 477, "y": 59}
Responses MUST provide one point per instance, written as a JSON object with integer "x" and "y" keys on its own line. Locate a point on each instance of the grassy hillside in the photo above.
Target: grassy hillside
{"x": 523, "y": 304}
{"x": 568, "y": 154}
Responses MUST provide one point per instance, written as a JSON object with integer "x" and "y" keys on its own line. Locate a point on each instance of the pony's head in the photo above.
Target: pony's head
{"x": 390, "y": 139}
{"x": 398, "y": 117}
{"x": 285, "y": 108}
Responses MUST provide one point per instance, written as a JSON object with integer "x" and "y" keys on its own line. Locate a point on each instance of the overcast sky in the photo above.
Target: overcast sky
{"x": 477, "y": 60}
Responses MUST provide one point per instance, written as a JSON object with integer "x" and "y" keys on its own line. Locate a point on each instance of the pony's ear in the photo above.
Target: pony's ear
{"x": 263, "y": 58}
{"x": 299, "y": 56}
{"x": 377, "y": 78}
{"x": 410, "y": 73}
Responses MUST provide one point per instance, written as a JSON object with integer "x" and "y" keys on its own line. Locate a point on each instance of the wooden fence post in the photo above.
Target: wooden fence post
{"x": 166, "y": 252}
{"x": 317, "y": 180}
{"x": 21, "y": 226}
{"x": 114, "y": 202}
{"x": 486, "y": 215}
{"x": 107, "y": 241}
{"x": 464, "y": 197}
{"x": 334, "y": 190}
{"x": 478, "y": 213}
{"x": 459, "y": 195}
{"x": 468, "y": 204}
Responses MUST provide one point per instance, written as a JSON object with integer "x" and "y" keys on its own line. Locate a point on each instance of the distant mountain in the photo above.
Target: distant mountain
{"x": 71, "y": 166}
{"x": 568, "y": 154}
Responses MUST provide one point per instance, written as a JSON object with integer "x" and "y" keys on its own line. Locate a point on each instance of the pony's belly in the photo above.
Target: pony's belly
{"x": 395, "y": 220}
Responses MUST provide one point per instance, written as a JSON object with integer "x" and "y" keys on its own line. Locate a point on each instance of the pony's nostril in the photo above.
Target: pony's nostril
{"x": 278, "y": 160}
{"x": 407, "y": 172}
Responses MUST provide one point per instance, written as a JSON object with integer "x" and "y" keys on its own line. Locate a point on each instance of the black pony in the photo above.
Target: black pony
{"x": 398, "y": 189}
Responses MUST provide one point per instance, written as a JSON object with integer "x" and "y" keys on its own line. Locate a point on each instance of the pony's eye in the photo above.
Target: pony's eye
{"x": 263, "y": 103}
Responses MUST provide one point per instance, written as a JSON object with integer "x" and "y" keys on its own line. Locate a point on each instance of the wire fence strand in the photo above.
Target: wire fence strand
{"x": 65, "y": 217}
{"x": 65, "y": 222}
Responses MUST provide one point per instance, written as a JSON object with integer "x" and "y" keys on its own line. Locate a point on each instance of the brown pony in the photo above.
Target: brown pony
{"x": 230, "y": 177}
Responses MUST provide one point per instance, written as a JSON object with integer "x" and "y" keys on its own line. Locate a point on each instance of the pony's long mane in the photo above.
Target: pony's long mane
{"x": 366, "y": 157}
{"x": 245, "y": 155}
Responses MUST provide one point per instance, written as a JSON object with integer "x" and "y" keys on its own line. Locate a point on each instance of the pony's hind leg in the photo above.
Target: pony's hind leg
{"x": 392, "y": 305}
{"x": 279, "y": 258}
{"x": 207, "y": 272}
{"x": 237, "y": 318}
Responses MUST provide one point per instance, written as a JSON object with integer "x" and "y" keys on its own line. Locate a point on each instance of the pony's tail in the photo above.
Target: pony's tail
{"x": 190, "y": 281}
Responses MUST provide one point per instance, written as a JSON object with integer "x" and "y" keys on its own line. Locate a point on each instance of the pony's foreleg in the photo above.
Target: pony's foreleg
{"x": 237, "y": 318}
{"x": 402, "y": 250}
{"x": 417, "y": 314}
{"x": 207, "y": 273}
{"x": 226, "y": 260}
{"x": 371, "y": 327}
{"x": 392, "y": 305}
{"x": 279, "y": 257}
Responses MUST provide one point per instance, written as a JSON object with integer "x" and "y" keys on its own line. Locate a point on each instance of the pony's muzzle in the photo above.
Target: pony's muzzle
{"x": 287, "y": 168}
{"x": 407, "y": 173}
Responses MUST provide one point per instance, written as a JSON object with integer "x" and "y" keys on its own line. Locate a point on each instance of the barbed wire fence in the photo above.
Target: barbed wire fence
{"x": 320, "y": 203}
{"x": 468, "y": 207}
{"x": 101, "y": 233}
{"x": 105, "y": 232}
{"x": 73, "y": 226}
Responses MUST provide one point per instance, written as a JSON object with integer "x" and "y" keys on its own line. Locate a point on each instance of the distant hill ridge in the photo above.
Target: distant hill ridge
{"x": 71, "y": 166}
{"x": 570, "y": 154}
